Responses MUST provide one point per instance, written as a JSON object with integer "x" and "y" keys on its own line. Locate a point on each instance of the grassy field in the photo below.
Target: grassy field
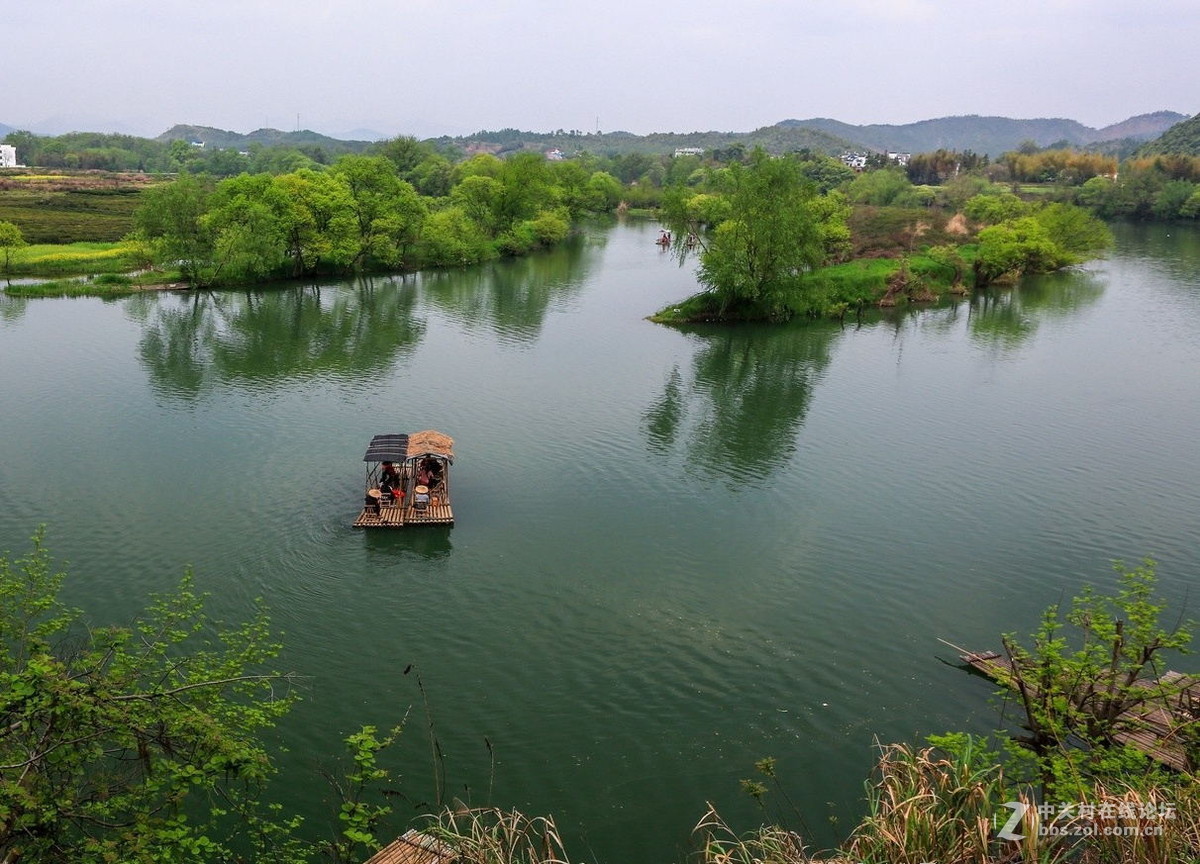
{"x": 67, "y": 208}
{"x": 73, "y": 259}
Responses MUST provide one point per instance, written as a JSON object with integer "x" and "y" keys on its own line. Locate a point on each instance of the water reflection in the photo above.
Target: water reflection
{"x": 11, "y": 308}
{"x": 1005, "y": 319}
{"x": 511, "y": 297}
{"x": 190, "y": 343}
{"x": 738, "y": 410}
{"x": 430, "y": 542}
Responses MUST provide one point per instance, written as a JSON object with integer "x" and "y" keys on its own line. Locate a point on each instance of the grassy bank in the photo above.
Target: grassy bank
{"x": 104, "y": 285}
{"x": 834, "y": 291}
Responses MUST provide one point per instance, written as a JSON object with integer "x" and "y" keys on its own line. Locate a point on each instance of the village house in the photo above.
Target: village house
{"x": 8, "y": 156}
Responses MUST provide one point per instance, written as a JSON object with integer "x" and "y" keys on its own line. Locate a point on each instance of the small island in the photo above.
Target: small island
{"x": 773, "y": 245}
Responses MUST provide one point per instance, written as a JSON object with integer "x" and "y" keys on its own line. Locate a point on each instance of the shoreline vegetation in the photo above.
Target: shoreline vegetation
{"x": 772, "y": 245}
{"x": 152, "y": 742}
{"x": 939, "y": 225}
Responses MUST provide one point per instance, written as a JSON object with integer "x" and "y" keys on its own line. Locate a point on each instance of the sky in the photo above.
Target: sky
{"x": 451, "y": 67}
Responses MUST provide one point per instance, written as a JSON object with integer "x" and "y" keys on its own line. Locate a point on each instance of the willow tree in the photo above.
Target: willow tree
{"x": 772, "y": 226}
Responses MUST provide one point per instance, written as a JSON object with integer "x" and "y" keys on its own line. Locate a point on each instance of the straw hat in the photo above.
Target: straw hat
{"x": 422, "y": 489}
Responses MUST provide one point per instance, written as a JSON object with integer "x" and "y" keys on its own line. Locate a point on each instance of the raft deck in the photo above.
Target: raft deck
{"x": 399, "y": 515}
{"x": 414, "y": 848}
{"x": 1154, "y": 729}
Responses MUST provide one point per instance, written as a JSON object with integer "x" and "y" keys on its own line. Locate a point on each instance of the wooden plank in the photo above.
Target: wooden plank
{"x": 414, "y": 848}
{"x": 1153, "y": 728}
{"x": 399, "y": 515}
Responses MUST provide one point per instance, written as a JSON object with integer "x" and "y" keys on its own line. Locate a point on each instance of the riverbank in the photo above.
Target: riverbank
{"x": 995, "y": 239}
{"x": 840, "y": 289}
{"x": 104, "y": 286}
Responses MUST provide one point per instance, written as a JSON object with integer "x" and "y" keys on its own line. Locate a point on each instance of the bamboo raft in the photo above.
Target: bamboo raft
{"x": 1153, "y": 729}
{"x": 397, "y": 516}
{"x": 414, "y": 848}
{"x": 406, "y": 463}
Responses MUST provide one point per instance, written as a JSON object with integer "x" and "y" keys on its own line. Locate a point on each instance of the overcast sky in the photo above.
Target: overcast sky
{"x": 432, "y": 67}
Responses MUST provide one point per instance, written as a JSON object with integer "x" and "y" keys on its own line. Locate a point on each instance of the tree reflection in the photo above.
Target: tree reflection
{"x": 11, "y": 308}
{"x": 1005, "y": 319}
{"x": 739, "y": 411}
{"x": 511, "y": 297}
{"x": 194, "y": 342}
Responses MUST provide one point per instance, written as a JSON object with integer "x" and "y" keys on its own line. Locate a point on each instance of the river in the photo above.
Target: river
{"x": 677, "y": 551}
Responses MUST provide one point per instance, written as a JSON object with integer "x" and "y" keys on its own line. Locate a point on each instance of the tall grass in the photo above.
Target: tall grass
{"x": 770, "y": 844}
{"x": 492, "y": 836}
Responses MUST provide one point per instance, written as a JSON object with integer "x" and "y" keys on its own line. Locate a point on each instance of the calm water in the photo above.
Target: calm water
{"x": 677, "y": 552}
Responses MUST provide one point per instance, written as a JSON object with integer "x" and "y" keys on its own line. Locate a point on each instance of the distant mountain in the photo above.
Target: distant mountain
{"x": 4, "y": 130}
{"x": 1143, "y": 127}
{"x": 225, "y": 140}
{"x": 774, "y": 139}
{"x": 990, "y": 135}
{"x": 1182, "y": 138}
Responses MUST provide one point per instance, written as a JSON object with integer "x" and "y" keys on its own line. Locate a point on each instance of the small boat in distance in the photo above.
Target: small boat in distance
{"x": 408, "y": 481}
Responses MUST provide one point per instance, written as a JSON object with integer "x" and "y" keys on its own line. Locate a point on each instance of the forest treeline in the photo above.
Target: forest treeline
{"x": 403, "y": 210}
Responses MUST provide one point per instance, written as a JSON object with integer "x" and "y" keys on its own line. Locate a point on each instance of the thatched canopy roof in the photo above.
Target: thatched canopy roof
{"x": 430, "y": 441}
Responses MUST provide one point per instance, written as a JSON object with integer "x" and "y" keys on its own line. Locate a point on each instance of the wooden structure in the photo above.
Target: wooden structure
{"x": 1152, "y": 728}
{"x": 414, "y": 848}
{"x": 408, "y": 481}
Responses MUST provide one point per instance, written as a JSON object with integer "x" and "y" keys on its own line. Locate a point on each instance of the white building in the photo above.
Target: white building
{"x": 8, "y": 156}
{"x": 688, "y": 151}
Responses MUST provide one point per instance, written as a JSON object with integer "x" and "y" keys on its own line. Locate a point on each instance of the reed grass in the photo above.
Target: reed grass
{"x": 770, "y": 844}
{"x": 489, "y": 835}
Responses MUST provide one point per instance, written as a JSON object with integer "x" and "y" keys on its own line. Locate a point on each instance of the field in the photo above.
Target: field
{"x": 71, "y": 259}
{"x": 71, "y": 207}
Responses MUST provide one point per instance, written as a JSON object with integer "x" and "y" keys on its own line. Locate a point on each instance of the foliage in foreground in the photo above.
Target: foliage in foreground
{"x": 1082, "y": 691}
{"x": 144, "y": 744}
{"x": 948, "y": 806}
{"x": 109, "y": 737}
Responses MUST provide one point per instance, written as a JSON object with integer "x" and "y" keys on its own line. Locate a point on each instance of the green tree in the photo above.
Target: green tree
{"x": 171, "y": 216}
{"x": 123, "y": 743}
{"x": 11, "y": 240}
{"x": 1074, "y": 229}
{"x": 1170, "y": 201}
{"x": 318, "y": 221}
{"x": 1080, "y": 694}
{"x": 603, "y": 191}
{"x": 881, "y": 188}
{"x": 406, "y": 153}
{"x": 1015, "y": 247}
{"x": 451, "y": 238}
{"x": 245, "y": 221}
{"x": 991, "y": 209}
{"x": 387, "y": 210}
{"x": 775, "y": 231}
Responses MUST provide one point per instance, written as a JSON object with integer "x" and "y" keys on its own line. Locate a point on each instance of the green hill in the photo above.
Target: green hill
{"x": 1182, "y": 138}
{"x": 225, "y": 140}
{"x": 774, "y": 139}
{"x": 988, "y": 135}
